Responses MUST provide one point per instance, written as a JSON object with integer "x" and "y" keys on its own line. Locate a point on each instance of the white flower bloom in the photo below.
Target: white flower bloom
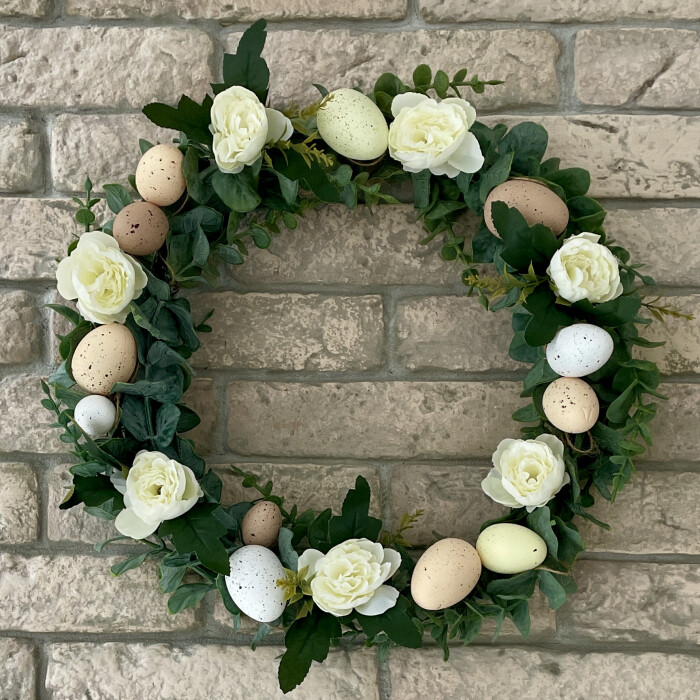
{"x": 103, "y": 278}
{"x": 526, "y": 472}
{"x": 434, "y": 135}
{"x": 584, "y": 269}
{"x": 242, "y": 126}
{"x": 351, "y": 577}
{"x": 157, "y": 488}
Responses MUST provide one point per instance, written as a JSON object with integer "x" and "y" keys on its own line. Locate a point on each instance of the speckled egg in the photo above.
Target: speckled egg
{"x": 159, "y": 176}
{"x": 261, "y": 524}
{"x": 140, "y": 228}
{"x": 535, "y": 201}
{"x": 106, "y": 355}
{"x": 571, "y": 405}
{"x": 351, "y": 124}
{"x": 95, "y": 415}
{"x": 579, "y": 350}
{"x": 507, "y": 548}
{"x": 445, "y": 574}
{"x": 252, "y": 582}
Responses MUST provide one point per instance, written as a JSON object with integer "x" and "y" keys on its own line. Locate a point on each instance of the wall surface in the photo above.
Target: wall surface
{"x": 348, "y": 348}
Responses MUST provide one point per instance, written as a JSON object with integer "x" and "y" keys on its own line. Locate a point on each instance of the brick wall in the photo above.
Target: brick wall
{"x": 348, "y": 348}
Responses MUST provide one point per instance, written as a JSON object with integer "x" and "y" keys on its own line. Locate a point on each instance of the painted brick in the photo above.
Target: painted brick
{"x": 291, "y": 331}
{"x": 675, "y": 428}
{"x": 201, "y": 398}
{"x": 20, "y": 328}
{"x": 18, "y": 670}
{"x": 19, "y": 504}
{"x": 20, "y": 157}
{"x": 19, "y": 8}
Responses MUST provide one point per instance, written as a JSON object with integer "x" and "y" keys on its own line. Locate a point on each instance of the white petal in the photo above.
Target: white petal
{"x": 444, "y": 169}
{"x": 129, "y": 524}
{"x": 64, "y": 277}
{"x": 468, "y": 157}
{"x": 310, "y": 558}
{"x": 503, "y": 445}
{"x": 406, "y": 100}
{"x": 554, "y": 444}
{"x": 279, "y": 128}
{"x": 469, "y": 111}
{"x": 493, "y": 488}
{"x": 394, "y": 558}
{"x": 385, "y": 597}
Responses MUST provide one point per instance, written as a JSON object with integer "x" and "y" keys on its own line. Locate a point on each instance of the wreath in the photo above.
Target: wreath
{"x": 237, "y": 175}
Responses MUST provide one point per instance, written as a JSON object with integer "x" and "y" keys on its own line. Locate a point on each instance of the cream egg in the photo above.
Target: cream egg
{"x": 571, "y": 405}
{"x": 159, "y": 176}
{"x": 95, "y": 415}
{"x": 579, "y": 350}
{"x": 351, "y": 124}
{"x": 140, "y": 228}
{"x": 106, "y": 355}
{"x": 535, "y": 201}
{"x": 261, "y": 524}
{"x": 445, "y": 574}
{"x": 252, "y": 583}
{"x": 507, "y": 548}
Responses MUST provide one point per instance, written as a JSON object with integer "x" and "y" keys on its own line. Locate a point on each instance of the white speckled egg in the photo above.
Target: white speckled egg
{"x": 106, "y": 355}
{"x": 140, "y": 228}
{"x": 535, "y": 201}
{"x": 159, "y": 176}
{"x": 571, "y": 405}
{"x": 252, "y": 582}
{"x": 507, "y": 548}
{"x": 579, "y": 350}
{"x": 445, "y": 574}
{"x": 261, "y": 524}
{"x": 351, "y": 124}
{"x": 95, "y": 415}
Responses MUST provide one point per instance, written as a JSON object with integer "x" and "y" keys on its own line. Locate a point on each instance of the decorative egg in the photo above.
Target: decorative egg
{"x": 445, "y": 574}
{"x": 95, "y": 415}
{"x": 351, "y": 124}
{"x": 252, "y": 582}
{"x": 507, "y": 548}
{"x": 140, "y": 228}
{"x": 579, "y": 350}
{"x": 535, "y": 201}
{"x": 159, "y": 176}
{"x": 571, "y": 405}
{"x": 106, "y": 355}
{"x": 261, "y": 524}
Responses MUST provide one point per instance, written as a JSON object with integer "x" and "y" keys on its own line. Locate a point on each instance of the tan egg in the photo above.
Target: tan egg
{"x": 106, "y": 355}
{"x": 445, "y": 574}
{"x": 140, "y": 228}
{"x": 261, "y": 524}
{"x": 535, "y": 201}
{"x": 159, "y": 176}
{"x": 571, "y": 405}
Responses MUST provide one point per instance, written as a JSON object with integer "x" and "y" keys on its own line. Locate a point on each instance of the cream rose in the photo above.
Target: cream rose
{"x": 103, "y": 278}
{"x": 427, "y": 134}
{"x": 526, "y": 472}
{"x": 584, "y": 269}
{"x": 351, "y": 577}
{"x": 157, "y": 488}
{"x": 242, "y": 126}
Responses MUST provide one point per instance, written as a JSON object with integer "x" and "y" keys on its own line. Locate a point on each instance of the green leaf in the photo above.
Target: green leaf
{"x": 199, "y": 531}
{"x": 421, "y": 189}
{"x": 527, "y": 141}
{"x": 396, "y": 623}
{"x": 117, "y": 197}
{"x": 540, "y": 521}
{"x": 133, "y": 417}
{"x": 518, "y": 587}
{"x": 526, "y": 414}
{"x": 318, "y": 531}
{"x": 166, "y": 423}
{"x": 288, "y": 554}
{"x": 90, "y": 490}
{"x": 187, "y": 596}
{"x": 132, "y": 562}
{"x": 288, "y": 188}
{"x": 189, "y": 117}
{"x": 226, "y": 596}
{"x": 73, "y": 316}
{"x": 354, "y": 520}
{"x": 570, "y": 542}
{"x": 246, "y": 67}
{"x": 229, "y": 254}
{"x": 422, "y": 76}
{"x": 195, "y": 185}
{"x": 307, "y": 640}
{"x": 495, "y": 175}
{"x": 165, "y": 390}
{"x": 170, "y": 577}
{"x": 236, "y": 191}
{"x": 574, "y": 181}
{"x": 552, "y": 588}
{"x": 441, "y": 83}
{"x": 547, "y": 317}
{"x": 520, "y": 614}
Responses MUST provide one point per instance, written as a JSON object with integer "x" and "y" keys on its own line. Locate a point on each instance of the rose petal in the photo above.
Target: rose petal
{"x": 310, "y": 558}
{"x": 394, "y": 558}
{"x": 129, "y": 524}
{"x": 493, "y": 488}
{"x": 469, "y": 111}
{"x": 385, "y": 597}
{"x": 407, "y": 99}
{"x": 468, "y": 157}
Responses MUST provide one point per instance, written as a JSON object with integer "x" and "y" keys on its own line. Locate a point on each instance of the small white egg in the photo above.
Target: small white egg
{"x": 95, "y": 415}
{"x": 507, "y": 548}
{"x": 579, "y": 350}
{"x": 252, "y": 583}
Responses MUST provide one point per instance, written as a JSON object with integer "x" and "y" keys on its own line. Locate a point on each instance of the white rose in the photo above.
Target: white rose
{"x": 526, "y": 472}
{"x": 584, "y": 269}
{"x": 434, "y": 135}
{"x": 242, "y": 126}
{"x": 157, "y": 488}
{"x": 103, "y": 278}
{"x": 351, "y": 576}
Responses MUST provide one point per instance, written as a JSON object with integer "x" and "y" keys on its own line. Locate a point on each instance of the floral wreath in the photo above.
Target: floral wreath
{"x": 239, "y": 173}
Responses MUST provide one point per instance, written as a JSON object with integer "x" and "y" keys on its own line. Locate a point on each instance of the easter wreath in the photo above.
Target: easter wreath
{"x": 239, "y": 172}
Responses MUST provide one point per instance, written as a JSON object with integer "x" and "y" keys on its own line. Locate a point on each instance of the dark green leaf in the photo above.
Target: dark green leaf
{"x": 354, "y": 520}
{"x": 236, "y": 191}
{"x": 166, "y": 423}
{"x": 526, "y": 141}
{"x": 552, "y": 588}
{"x": 540, "y": 520}
{"x": 189, "y": 117}
{"x": 117, "y": 197}
{"x": 396, "y": 623}
{"x": 170, "y": 577}
{"x": 547, "y": 317}
{"x": 246, "y": 67}
{"x": 187, "y": 596}
{"x": 132, "y": 562}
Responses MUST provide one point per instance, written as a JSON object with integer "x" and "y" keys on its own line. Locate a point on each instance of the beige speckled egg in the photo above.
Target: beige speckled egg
{"x": 571, "y": 405}
{"x": 351, "y": 124}
{"x": 104, "y": 356}
{"x": 159, "y": 176}
{"x": 445, "y": 574}
{"x": 140, "y": 228}
{"x": 261, "y": 524}
{"x": 507, "y": 548}
{"x": 535, "y": 201}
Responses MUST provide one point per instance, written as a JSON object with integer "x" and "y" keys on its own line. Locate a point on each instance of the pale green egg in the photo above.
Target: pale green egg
{"x": 506, "y": 548}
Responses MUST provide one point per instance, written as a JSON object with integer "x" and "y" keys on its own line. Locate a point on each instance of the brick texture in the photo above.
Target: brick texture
{"x": 18, "y": 669}
{"x": 20, "y": 157}
{"x": 20, "y": 328}
{"x": 19, "y": 504}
